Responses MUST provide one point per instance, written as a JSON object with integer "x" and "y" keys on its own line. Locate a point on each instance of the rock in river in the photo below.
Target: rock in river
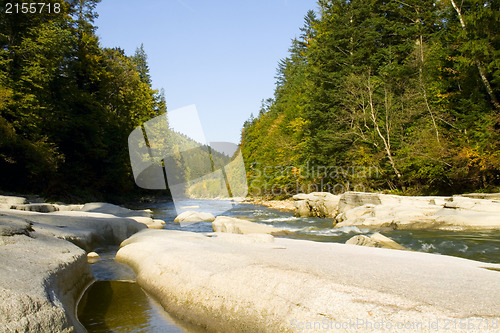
{"x": 194, "y": 217}
{"x": 241, "y": 226}
{"x": 375, "y": 240}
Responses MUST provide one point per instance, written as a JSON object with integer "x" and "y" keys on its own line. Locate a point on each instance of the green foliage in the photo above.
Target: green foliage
{"x": 397, "y": 95}
{"x": 67, "y": 105}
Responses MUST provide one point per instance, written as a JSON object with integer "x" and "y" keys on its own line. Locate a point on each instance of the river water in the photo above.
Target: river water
{"x": 115, "y": 303}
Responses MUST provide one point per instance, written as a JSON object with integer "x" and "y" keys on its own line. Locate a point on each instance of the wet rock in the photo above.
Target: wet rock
{"x": 93, "y": 257}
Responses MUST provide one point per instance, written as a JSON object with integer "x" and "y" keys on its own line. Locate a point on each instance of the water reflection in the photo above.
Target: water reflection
{"x": 115, "y": 303}
{"x": 122, "y": 306}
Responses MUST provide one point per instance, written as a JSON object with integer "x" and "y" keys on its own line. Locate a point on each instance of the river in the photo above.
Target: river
{"x": 115, "y": 303}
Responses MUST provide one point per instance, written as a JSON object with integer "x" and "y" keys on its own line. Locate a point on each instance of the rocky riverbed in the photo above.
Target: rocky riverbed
{"x": 242, "y": 277}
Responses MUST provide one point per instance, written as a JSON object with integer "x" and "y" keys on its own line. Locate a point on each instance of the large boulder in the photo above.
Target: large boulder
{"x": 449, "y": 219}
{"x": 194, "y": 217}
{"x": 320, "y": 204}
{"x": 375, "y": 240}
{"x": 399, "y": 212}
{"x": 240, "y": 226}
{"x": 284, "y": 285}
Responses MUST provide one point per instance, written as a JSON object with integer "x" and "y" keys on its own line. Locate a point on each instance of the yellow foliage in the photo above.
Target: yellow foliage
{"x": 483, "y": 160}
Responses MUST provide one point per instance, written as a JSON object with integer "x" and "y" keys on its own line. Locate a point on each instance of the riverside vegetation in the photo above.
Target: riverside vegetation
{"x": 407, "y": 88}
{"x": 67, "y": 105}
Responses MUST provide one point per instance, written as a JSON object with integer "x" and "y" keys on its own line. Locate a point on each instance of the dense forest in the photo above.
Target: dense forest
{"x": 383, "y": 95}
{"x": 67, "y": 105}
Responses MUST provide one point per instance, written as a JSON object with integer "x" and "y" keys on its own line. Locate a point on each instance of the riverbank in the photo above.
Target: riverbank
{"x": 376, "y": 211}
{"x": 43, "y": 251}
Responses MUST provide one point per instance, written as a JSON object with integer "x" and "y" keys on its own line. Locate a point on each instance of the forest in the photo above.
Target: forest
{"x": 375, "y": 95}
{"x": 67, "y": 105}
{"x": 383, "y": 95}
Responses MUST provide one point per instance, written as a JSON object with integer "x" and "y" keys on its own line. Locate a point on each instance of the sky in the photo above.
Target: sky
{"x": 219, "y": 55}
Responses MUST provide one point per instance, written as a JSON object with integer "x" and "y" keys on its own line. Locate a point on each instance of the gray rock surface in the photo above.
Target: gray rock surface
{"x": 375, "y": 240}
{"x": 241, "y": 226}
{"x": 229, "y": 284}
{"x": 40, "y": 282}
{"x": 350, "y": 200}
{"x": 86, "y": 229}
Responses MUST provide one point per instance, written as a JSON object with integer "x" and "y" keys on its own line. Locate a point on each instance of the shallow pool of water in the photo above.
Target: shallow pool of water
{"x": 116, "y": 303}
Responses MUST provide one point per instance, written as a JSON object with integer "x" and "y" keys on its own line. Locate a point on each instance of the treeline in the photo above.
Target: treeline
{"x": 397, "y": 95}
{"x": 67, "y": 105}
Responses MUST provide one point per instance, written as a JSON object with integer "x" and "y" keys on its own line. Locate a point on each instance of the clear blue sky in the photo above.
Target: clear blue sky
{"x": 219, "y": 55}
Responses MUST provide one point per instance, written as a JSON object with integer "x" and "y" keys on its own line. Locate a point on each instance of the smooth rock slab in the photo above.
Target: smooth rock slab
{"x": 40, "y": 282}
{"x": 230, "y": 285}
{"x": 86, "y": 229}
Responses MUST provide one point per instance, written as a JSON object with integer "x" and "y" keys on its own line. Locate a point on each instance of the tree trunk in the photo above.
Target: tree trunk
{"x": 387, "y": 145}
{"x": 479, "y": 66}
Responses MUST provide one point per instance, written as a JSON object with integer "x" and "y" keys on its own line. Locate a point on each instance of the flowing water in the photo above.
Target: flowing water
{"x": 476, "y": 245}
{"x": 117, "y": 304}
